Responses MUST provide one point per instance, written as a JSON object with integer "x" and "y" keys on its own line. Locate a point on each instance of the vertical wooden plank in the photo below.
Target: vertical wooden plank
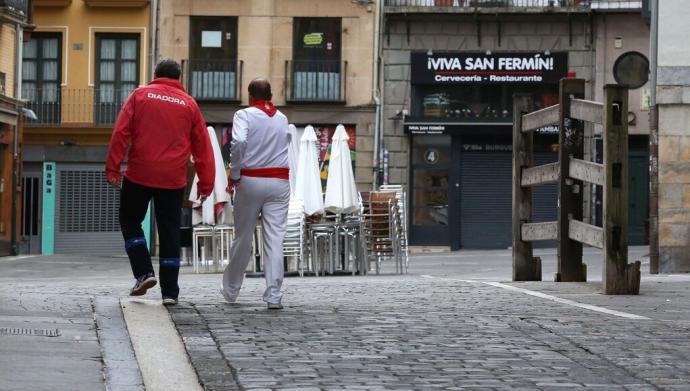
{"x": 619, "y": 277}
{"x": 654, "y": 191}
{"x": 571, "y": 142}
{"x": 525, "y": 268}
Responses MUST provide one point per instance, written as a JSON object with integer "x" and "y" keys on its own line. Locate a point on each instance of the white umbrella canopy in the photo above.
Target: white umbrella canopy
{"x": 341, "y": 189}
{"x": 217, "y": 209}
{"x": 308, "y": 182}
{"x": 293, "y": 157}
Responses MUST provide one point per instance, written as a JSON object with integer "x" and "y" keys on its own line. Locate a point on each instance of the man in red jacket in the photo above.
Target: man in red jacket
{"x": 162, "y": 126}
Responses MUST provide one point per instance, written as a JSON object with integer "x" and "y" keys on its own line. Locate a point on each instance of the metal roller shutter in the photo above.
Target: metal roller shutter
{"x": 545, "y": 198}
{"x": 486, "y": 199}
{"x": 86, "y": 212}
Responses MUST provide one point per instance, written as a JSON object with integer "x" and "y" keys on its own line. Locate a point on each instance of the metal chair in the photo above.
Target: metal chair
{"x": 218, "y": 240}
{"x": 322, "y": 243}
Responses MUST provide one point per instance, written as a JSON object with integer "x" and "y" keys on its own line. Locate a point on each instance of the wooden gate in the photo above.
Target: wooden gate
{"x": 571, "y": 172}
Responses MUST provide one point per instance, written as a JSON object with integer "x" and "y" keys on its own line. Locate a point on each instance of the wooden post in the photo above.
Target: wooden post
{"x": 525, "y": 267}
{"x": 571, "y": 141}
{"x": 619, "y": 276}
{"x": 654, "y": 191}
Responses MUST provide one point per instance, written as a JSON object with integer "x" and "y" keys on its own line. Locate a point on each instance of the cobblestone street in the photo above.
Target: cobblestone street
{"x": 418, "y": 333}
{"x": 435, "y": 328}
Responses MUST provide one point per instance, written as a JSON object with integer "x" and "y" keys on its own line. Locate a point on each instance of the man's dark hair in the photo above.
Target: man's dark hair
{"x": 168, "y": 68}
{"x": 260, "y": 89}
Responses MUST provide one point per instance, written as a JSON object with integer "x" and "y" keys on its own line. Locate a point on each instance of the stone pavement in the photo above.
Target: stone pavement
{"x": 440, "y": 327}
{"x": 410, "y": 332}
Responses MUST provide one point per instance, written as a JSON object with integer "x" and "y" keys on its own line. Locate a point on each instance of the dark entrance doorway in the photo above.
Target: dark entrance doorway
{"x": 431, "y": 170}
{"x": 638, "y": 191}
{"x": 461, "y": 192}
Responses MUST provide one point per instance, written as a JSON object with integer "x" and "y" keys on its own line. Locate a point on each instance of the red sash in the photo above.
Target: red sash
{"x": 268, "y": 172}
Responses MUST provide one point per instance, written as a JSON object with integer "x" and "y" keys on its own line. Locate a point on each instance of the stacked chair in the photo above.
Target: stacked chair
{"x": 294, "y": 243}
{"x": 401, "y": 196}
{"x": 383, "y": 229}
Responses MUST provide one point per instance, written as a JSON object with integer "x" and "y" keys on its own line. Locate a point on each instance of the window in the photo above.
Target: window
{"x": 41, "y": 69}
{"x": 316, "y": 67}
{"x": 212, "y": 65}
{"x": 117, "y": 74}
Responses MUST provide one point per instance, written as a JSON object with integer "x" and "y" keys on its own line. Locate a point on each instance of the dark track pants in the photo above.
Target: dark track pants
{"x": 134, "y": 202}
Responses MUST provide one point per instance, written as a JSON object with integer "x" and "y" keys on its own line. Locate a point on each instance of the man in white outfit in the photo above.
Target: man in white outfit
{"x": 260, "y": 175}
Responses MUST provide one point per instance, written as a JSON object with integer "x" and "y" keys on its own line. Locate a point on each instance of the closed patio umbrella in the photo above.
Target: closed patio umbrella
{"x": 308, "y": 182}
{"x": 341, "y": 189}
{"x": 293, "y": 157}
{"x": 217, "y": 208}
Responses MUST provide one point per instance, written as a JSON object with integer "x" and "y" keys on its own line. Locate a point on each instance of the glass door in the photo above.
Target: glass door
{"x": 430, "y": 177}
{"x": 117, "y": 74}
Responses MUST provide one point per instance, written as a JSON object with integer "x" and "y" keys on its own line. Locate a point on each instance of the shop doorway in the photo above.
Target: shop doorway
{"x": 31, "y": 211}
{"x": 431, "y": 174}
{"x": 638, "y": 191}
{"x": 461, "y": 191}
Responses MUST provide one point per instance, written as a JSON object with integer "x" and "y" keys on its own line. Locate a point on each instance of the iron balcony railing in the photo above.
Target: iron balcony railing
{"x": 86, "y": 107}
{"x": 213, "y": 80}
{"x": 316, "y": 81}
{"x": 469, "y": 5}
{"x": 17, "y": 5}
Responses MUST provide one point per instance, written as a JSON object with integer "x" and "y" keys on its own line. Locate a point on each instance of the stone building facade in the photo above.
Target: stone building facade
{"x": 450, "y": 142}
{"x": 673, "y": 103}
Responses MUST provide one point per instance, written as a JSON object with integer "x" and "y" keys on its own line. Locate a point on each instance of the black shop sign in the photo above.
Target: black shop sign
{"x": 495, "y": 68}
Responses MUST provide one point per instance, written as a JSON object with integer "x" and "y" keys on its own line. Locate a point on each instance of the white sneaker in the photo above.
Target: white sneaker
{"x": 275, "y": 306}
{"x": 169, "y": 301}
{"x": 227, "y": 296}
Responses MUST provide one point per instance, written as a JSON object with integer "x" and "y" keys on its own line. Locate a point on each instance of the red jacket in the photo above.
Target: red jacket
{"x": 164, "y": 126}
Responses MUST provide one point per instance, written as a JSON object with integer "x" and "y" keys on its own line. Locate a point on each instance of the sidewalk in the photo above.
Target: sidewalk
{"x": 445, "y": 325}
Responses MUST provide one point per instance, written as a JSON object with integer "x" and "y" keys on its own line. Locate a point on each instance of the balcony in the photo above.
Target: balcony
{"x": 507, "y": 6}
{"x": 52, "y": 3}
{"x": 117, "y": 3}
{"x": 15, "y": 6}
{"x": 213, "y": 80}
{"x": 316, "y": 81}
{"x": 74, "y": 107}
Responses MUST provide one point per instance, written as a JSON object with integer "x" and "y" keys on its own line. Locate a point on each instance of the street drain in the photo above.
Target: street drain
{"x": 29, "y": 332}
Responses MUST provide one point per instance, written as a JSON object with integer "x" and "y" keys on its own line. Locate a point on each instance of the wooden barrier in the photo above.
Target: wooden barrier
{"x": 571, "y": 172}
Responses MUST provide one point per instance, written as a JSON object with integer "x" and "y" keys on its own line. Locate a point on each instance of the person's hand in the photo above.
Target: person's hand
{"x": 115, "y": 183}
{"x": 232, "y": 185}
{"x": 202, "y": 198}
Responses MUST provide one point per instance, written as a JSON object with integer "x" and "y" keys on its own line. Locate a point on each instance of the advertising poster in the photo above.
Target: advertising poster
{"x": 324, "y": 135}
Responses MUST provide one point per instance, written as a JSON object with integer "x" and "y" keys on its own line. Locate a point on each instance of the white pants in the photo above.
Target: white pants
{"x": 270, "y": 197}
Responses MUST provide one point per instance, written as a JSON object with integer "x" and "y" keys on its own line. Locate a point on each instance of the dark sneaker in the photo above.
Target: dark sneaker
{"x": 169, "y": 301}
{"x": 143, "y": 283}
{"x": 275, "y": 306}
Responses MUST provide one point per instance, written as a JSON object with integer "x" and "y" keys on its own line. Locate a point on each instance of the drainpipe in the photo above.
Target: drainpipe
{"x": 153, "y": 39}
{"x": 154, "y": 12}
{"x": 653, "y": 145}
{"x": 378, "y": 100}
{"x": 15, "y": 134}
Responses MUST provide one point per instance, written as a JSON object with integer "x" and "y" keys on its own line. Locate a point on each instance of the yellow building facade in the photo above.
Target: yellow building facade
{"x": 79, "y": 65}
{"x": 319, "y": 57}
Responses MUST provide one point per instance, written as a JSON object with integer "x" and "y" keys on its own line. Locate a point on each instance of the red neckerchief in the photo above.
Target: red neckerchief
{"x": 266, "y": 106}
